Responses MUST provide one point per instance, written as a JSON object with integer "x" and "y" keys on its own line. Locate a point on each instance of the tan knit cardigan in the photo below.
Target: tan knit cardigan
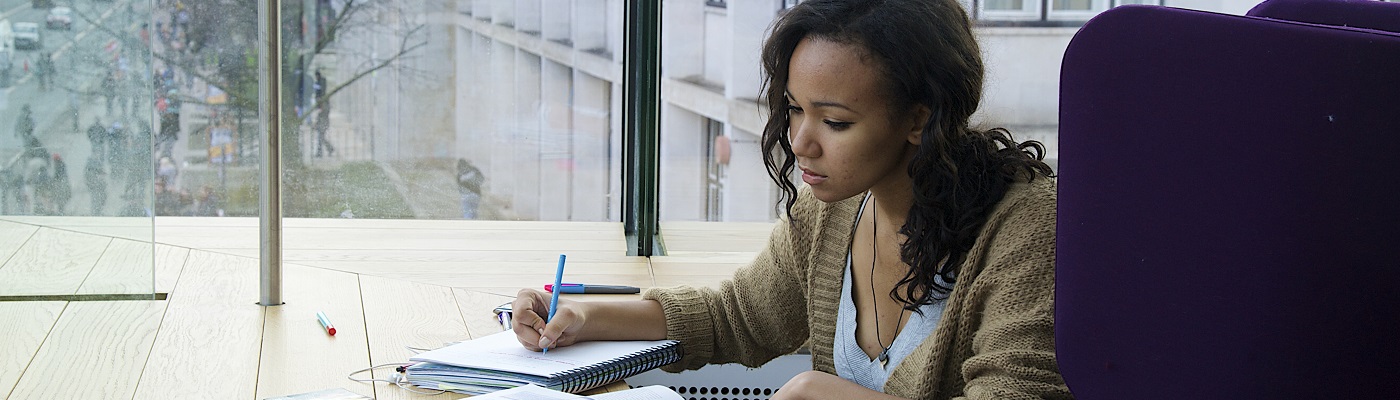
{"x": 995, "y": 340}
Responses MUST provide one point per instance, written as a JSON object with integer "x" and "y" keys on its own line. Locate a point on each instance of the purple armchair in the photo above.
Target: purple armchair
{"x": 1227, "y": 227}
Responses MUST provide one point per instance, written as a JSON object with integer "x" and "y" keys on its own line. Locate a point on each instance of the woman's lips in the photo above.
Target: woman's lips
{"x": 812, "y": 178}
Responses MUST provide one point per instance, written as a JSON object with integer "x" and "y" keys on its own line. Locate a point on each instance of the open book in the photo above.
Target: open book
{"x": 532, "y": 392}
{"x": 499, "y": 362}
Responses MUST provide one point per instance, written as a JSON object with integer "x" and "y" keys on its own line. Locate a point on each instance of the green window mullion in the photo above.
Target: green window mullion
{"x": 641, "y": 125}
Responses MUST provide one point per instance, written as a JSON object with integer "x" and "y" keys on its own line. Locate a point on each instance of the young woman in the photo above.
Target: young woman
{"x": 916, "y": 262}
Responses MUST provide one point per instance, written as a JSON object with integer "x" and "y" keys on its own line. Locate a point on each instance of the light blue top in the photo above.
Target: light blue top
{"x": 851, "y": 361}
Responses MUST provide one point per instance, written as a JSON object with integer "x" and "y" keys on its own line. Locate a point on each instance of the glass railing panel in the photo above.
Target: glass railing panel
{"x": 77, "y": 161}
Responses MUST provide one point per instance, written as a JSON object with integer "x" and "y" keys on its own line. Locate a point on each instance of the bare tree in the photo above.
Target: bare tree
{"x": 221, "y": 36}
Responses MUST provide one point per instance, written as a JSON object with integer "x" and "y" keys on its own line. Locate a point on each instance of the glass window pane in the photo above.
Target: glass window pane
{"x": 711, "y": 169}
{"x": 1073, "y": 5}
{"x": 1013, "y": 5}
{"x": 716, "y": 202}
{"x": 510, "y": 113}
{"x": 76, "y": 162}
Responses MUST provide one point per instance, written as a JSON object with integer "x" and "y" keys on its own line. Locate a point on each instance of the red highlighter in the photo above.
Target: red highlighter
{"x": 325, "y": 323}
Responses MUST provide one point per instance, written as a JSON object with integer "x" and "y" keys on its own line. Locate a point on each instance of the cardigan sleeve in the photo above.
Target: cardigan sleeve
{"x": 1014, "y": 344}
{"x": 755, "y": 316}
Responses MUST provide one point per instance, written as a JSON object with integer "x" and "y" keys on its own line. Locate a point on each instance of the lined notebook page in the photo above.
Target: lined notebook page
{"x": 502, "y": 352}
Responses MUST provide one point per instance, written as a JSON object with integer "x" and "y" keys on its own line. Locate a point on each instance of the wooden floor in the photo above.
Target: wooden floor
{"x": 386, "y": 284}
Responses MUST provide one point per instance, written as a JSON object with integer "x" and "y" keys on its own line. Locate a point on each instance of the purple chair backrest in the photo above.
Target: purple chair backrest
{"x": 1369, "y": 14}
{"x": 1227, "y": 227}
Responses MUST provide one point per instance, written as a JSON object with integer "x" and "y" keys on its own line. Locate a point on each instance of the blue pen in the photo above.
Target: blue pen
{"x": 579, "y": 288}
{"x": 554, "y": 299}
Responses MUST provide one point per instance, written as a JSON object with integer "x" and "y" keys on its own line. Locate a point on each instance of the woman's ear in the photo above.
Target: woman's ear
{"x": 919, "y": 119}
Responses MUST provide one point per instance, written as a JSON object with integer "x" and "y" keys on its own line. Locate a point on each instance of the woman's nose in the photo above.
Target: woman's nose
{"x": 801, "y": 139}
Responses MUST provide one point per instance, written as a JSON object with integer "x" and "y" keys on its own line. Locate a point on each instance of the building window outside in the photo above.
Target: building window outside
{"x": 1043, "y": 12}
{"x": 717, "y": 3}
{"x": 715, "y": 154}
{"x": 1010, "y": 10}
{"x": 1077, "y": 10}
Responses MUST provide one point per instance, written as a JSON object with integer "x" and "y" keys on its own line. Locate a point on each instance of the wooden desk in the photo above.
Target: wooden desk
{"x": 385, "y": 284}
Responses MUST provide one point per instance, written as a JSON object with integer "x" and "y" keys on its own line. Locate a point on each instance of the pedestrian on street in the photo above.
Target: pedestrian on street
{"x": 40, "y": 72}
{"x": 206, "y": 203}
{"x": 138, "y": 158}
{"x": 319, "y": 86}
{"x": 109, "y": 89}
{"x": 97, "y": 139}
{"x": 24, "y": 127}
{"x": 170, "y": 200}
{"x": 169, "y": 131}
{"x": 116, "y": 150}
{"x": 47, "y": 71}
{"x": 469, "y": 181}
{"x": 165, "y": 168}
{"x": 37, "y": 172}
{"x": 96, "y": 181}
{"x": 61, "y": 190}
{"x": 73, "y": 111}
{"x": 323, "y": 123}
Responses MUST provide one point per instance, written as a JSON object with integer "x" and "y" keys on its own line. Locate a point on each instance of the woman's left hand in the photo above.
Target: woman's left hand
{"x": 821, "y": 385}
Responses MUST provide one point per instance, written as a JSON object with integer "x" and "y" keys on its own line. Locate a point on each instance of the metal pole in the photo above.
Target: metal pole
{"x": 270, "y": 108}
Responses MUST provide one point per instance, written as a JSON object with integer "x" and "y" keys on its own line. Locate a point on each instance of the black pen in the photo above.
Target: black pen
{"x": 593, "y": 289}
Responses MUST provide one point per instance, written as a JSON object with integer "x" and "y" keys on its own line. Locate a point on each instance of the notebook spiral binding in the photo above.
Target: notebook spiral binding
{"x": 592, "y": 376}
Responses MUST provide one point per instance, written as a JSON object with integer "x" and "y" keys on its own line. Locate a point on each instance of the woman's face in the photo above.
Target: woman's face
{"x": 843, "y": 134}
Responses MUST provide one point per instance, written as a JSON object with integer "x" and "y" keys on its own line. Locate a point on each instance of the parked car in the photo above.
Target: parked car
{"x": 27, "y": 35}
{"x": 60, "y": 17}
{"x": 7, "y": 52}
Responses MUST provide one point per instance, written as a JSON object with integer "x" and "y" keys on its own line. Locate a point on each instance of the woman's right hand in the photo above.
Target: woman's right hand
{"x": 528, "y": 312}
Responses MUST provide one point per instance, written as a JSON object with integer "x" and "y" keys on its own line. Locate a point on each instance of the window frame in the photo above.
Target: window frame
{"x": 1096, "y": 7}
{"x": 1031, "y": 10}
{"x": 1043, "y": 15}
{"x": 641, "y": 127}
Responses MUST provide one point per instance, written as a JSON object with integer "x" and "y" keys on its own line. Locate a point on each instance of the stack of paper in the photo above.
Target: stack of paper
{"x": 499, "y": 362}
{"x": 532, "y": 392}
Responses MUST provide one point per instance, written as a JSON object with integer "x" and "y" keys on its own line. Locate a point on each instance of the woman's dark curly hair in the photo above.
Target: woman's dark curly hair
{"x": 928, "y": 56}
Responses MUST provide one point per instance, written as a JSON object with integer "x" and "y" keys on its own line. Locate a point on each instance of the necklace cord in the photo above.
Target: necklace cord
{"x": 879, "y": 339}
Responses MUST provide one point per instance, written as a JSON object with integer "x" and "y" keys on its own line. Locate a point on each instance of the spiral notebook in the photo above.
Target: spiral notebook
{"x": 499, "y": 362}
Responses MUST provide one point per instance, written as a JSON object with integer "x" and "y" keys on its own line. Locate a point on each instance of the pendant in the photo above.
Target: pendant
{"x": 884, "y": 358}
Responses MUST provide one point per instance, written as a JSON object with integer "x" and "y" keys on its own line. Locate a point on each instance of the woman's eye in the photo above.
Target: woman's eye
{"x": 837, "y": 125}
{"x": 794, "y": 109}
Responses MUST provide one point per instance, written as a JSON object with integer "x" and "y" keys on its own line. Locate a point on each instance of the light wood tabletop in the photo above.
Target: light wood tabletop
{"x": 387, "y": 285}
